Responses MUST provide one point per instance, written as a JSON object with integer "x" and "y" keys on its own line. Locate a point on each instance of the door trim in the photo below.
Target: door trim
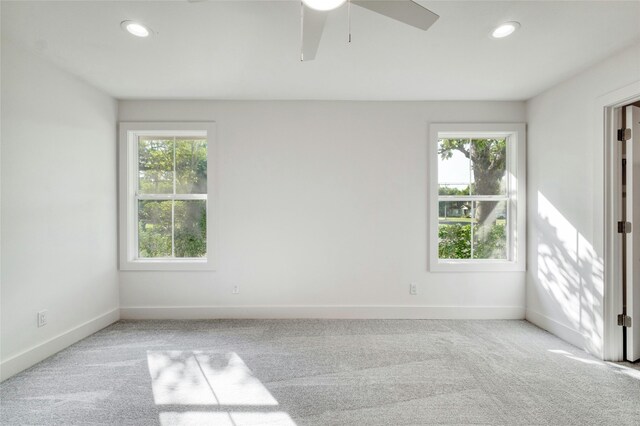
{"x": 607, "y": 122}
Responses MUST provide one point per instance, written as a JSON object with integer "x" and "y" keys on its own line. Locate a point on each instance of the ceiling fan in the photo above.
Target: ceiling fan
{"x": 314, "y": 15}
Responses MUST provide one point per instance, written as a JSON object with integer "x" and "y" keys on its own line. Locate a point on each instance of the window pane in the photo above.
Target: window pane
{"x": 454, "y": 167}
{"x": 490, "y": 230}
{"x": 154, "y": 228}
{"x": 488, "y": 165}
{"x": 155, "y": 166}
{"x": 191, "y": 166}
{"x": 190, "y": 228}
{"x": 454, "y": 230}
{"x": 453, "y": 190}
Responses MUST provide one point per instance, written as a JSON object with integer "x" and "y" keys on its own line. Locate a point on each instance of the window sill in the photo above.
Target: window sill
{"x": 167, "y": 265}
{"x": 478, "y": 266}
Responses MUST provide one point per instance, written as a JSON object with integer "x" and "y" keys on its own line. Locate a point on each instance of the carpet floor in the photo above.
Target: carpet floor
{"x": 322, "y": 372}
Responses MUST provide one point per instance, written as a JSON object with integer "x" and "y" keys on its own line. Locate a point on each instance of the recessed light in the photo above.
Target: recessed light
{"x": 324, "y": 4}
{"x": 505, "y": 29}
{"x": 135, "y": 28}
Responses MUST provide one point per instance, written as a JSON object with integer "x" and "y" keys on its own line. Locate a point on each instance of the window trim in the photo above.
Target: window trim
{"x": 128, "y": 227}
{"x": 516, "y": 172}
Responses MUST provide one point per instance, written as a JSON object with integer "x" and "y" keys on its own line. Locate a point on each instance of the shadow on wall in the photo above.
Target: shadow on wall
{"x": 569, "y": 275}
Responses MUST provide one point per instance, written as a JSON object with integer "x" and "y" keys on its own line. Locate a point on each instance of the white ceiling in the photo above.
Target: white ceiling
{"x": 250, "y": 50}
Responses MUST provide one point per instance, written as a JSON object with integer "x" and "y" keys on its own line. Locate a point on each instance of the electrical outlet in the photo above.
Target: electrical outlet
{"x": 413, "y": 289}
{"x": 236, "y": 289}
{"x": 42, "y": 318}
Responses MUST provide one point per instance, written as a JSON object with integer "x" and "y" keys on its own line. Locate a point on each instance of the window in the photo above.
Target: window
{"x": 477, "y": 197}
{"x": 165, "y": 187}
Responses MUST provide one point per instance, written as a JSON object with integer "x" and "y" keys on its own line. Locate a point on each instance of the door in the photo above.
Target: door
{"x": 633, "y": 238}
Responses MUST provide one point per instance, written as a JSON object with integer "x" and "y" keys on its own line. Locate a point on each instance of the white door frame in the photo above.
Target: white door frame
{"x": 607, "y": 124}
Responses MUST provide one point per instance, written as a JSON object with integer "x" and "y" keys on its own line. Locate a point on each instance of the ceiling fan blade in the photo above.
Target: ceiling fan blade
{"x": 407, "y": 11}
{"x": 312, "y": 27}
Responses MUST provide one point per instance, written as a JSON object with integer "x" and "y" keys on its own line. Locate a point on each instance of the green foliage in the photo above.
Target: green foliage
{"x": 488, "y": 162}
{"x": 447, "y": 190}
{"x": 491, "y": 242}
{"x": 191, "y": 229}
{"x": 155, "y": 165}
{"x": 489, "y": 152}
{"x": 191, "y": 166}
{"x": 158, "y": 219}
{"x": 455, "y": 241}
{"x": 156, "y": 161}
{"x": 154, "y": 228}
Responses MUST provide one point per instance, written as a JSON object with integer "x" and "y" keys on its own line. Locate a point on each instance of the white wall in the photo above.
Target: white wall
{"x": 322, "y": 212}
{"x": 58, "y": 209}
{"x": 565, "y": 226}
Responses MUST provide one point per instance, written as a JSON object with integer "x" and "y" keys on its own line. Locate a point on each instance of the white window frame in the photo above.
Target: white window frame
{"x": 515, "y": 133}
{"x": 128, "y": 174}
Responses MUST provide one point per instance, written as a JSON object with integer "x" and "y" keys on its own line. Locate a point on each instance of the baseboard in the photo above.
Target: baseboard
{"x": 32, "y": 356}
{"x": 326, "y": 311}
{"x": 556, "y": 328}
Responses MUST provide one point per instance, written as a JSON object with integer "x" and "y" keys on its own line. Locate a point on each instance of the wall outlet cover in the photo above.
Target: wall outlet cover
{"x": 42, "y": 318}
{"x": 413, "y": 289}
